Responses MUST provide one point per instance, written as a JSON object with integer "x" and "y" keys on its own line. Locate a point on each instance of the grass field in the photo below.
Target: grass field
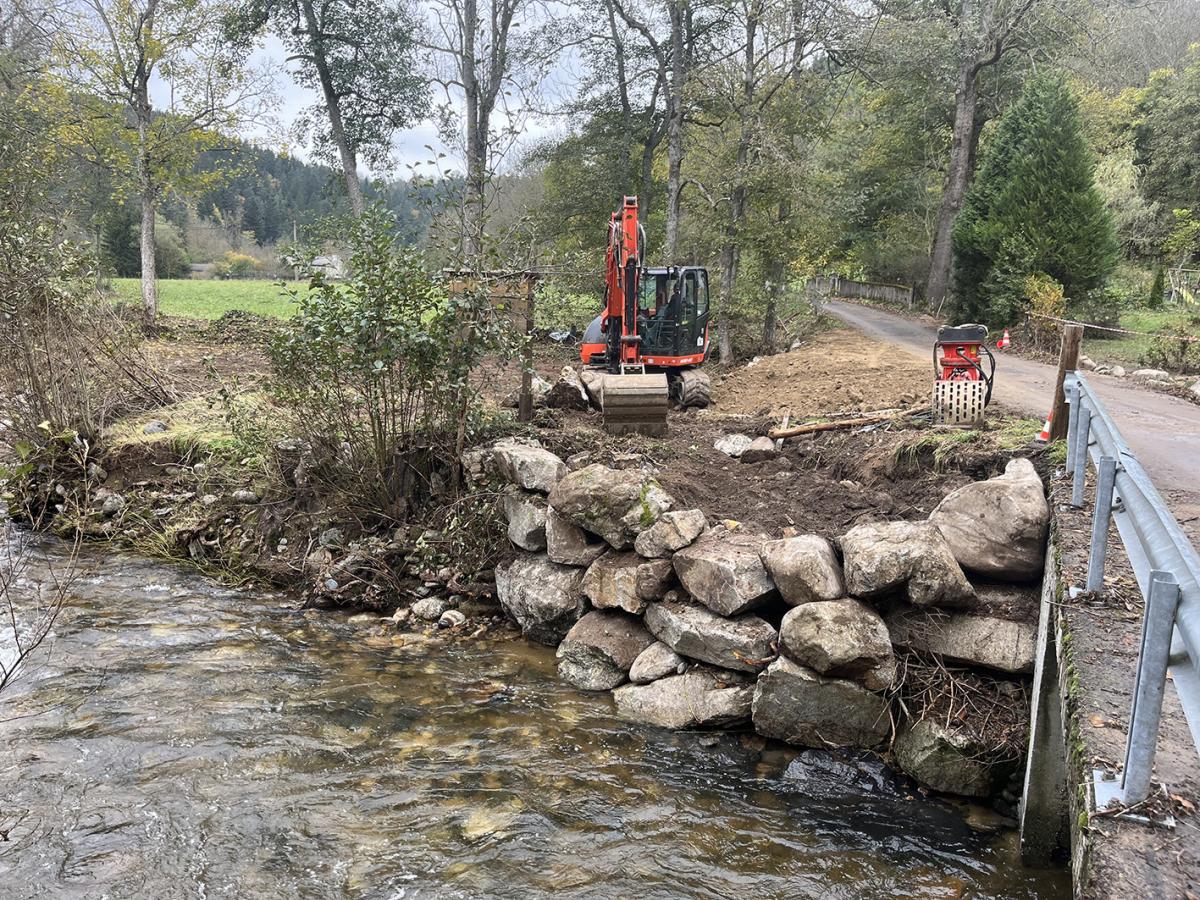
{"x": 209, "y": 299}
{"x": 1129, "y": 349}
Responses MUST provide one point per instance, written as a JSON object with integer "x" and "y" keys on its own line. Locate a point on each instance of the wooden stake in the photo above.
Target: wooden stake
{"x": 1068, "y": 361}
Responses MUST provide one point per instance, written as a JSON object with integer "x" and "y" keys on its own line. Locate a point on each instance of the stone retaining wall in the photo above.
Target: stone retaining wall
{"x": 692, "y": 624}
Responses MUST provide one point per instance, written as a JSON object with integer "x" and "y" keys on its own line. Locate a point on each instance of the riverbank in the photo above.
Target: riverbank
{"x": 192, "y": 481}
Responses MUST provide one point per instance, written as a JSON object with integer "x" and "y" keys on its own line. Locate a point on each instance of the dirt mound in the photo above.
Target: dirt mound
{"x": 836, "y": 371}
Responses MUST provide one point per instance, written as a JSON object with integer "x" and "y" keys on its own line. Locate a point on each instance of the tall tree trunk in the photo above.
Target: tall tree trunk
{"x": 675, "y": 115}
{"x": 477, "y": 137}
{"x": 333, "y": 107}
{"x": 775, "y": 271}
{"x": 957, "y": 178}
{"x": 146, "y": 188}
{"x": 618, "y": 43}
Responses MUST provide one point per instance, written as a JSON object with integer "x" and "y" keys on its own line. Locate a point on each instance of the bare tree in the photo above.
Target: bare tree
{"x": 492, "y": 57}
{"x": 110, "y": 53}
{"x": 360, "y": 55}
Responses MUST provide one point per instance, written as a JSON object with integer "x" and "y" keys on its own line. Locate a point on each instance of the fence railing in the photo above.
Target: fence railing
{"x": 836, "y": 286}
{"x": 1167, "y": 569}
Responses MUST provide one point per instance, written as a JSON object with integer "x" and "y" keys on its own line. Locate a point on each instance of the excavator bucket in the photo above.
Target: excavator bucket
{"x": 635, "y": 404}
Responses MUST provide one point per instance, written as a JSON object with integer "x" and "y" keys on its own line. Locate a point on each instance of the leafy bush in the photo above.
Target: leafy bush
{"x": 375, "y": 372}
{"x": 235, "y": 265}
{"x": 559, "y": 309}
{"x": 1175, "y": 348}
{"x": 1046, "y": 302}
{"x": 1158, "y": 289}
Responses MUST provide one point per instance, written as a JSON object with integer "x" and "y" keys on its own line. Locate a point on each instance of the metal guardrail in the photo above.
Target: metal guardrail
{"x": 1167, "y": 569}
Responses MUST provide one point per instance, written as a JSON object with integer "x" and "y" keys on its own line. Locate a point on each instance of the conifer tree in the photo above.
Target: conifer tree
{"x": 1033, "y": 210}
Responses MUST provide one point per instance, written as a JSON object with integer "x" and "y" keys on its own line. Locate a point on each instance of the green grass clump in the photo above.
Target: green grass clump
{"x": 1130, "y": 349}
{"x": 210, "y": 299}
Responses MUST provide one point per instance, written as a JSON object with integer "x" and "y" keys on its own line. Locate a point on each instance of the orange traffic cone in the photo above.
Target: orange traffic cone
{"x": 1045, "y": 433}
{"x": 1003, "y": 343}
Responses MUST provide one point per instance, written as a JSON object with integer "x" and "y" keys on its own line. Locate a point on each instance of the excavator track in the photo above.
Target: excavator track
{"x": 635, "y": 404}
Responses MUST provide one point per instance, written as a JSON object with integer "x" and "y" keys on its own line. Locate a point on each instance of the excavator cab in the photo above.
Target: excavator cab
{"x": 672, "y": 313}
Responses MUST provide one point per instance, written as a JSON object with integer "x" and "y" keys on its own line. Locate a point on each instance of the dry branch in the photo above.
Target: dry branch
{"x": 813, "y": 427}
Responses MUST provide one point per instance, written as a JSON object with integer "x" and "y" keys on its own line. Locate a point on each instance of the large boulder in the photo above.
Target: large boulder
{"x": 699, "y": 698}
{"x": 795, "y": 704}
{"x": 948, "y": 759}
{"x": 673, "y": 531}
{"x": 655, "y": 662}
{"x": 569, "y": 544}
{"x": 526, "y": 517}
{"x": 526, "y": 466}
{"x": 600, "y": 648}
{"x": 568, "y": 392}
{"x": 840, "y": 638}
{"x": 543, "y": 597}
{"x": 745, "y": 643}
{"x": 997, "y": 527}
{"x": 725, "y": 572}
{"x": 622, "y": 580}
{"x": 966, "y": 639}
{"x": 883, "y": 557}
{"x": 804, "y": 568}
{"x": 615, "y": 504}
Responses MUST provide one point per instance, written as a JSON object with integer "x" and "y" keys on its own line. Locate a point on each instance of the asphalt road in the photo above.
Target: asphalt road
{"x": 1163, "y": 431}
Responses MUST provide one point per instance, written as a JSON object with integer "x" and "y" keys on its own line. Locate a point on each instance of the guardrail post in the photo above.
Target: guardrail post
{"x": 1083, "y": 436}
{"x": 1158, "y": 622}
{"x": 1101, "y": 514}
{"x": 1073, "y": 424}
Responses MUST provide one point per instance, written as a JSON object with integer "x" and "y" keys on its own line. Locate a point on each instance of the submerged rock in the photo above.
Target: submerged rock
{"x": 569, "y": 544}
{"x": 997, "y": 527}
{"x": 745, "y": 643}
{"x": 840, "y": 638}
{"x": 543, "y": 597}
{"x": 600, "y": 648}
{"x": 948, "y": 760}
{"x": 724, "y": 571}
{"x": 882, "y": 557}
{"x": 804, "y": 568}
{"x": 655, "y": 662}
{"x": 795, "y": 704}
{"x": 700, "y": 698}
{"x": 673, "y": 531}
{"x": 615, "y": 504}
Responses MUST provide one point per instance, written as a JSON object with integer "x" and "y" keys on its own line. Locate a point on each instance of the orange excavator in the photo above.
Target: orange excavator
{"x": 651, "y": 336}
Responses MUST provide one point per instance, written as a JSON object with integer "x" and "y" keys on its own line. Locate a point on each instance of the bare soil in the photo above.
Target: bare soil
{"x": 835, "y": 371}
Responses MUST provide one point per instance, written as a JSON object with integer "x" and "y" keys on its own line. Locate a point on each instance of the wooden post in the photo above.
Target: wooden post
{"x": 1068, "y": 361}
{"x": 525, "y": 404}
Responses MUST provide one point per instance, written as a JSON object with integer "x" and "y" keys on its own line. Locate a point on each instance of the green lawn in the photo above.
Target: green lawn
{"x": 1129, "y": 349}
{"x": 208, "y": 299}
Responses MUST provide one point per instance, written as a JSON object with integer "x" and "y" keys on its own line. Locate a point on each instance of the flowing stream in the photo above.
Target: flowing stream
{"x": 178, "y": 739}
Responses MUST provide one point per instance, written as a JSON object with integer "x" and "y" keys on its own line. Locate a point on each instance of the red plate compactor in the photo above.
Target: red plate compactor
{"x": 961, "y": 387}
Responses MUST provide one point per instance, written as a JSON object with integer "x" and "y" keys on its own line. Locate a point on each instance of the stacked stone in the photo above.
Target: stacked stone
{"x": 675, "y": 617}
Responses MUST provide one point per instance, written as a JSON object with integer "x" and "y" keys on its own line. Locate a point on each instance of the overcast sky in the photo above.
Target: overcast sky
{"x": 410, "y": 144}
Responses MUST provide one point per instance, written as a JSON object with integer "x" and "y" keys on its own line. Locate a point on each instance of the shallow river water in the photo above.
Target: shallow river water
{"x": 178, "y": 739}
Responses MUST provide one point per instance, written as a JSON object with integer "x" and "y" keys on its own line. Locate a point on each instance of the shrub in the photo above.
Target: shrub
{"x": 1175, "y": 348}
{"x": 1046, "y": 302}
{"x": 1158, "y": 289}
{"x": 559, "y": 309}
{"x": 235, "y": 265}
{"x": 375, "y": 372}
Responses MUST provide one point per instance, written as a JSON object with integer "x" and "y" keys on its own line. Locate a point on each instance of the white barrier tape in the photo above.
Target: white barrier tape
{"x": 1185, "y": 338}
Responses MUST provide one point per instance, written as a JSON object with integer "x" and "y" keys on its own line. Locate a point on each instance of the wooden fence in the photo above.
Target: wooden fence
{"x": 836, "y": 286}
